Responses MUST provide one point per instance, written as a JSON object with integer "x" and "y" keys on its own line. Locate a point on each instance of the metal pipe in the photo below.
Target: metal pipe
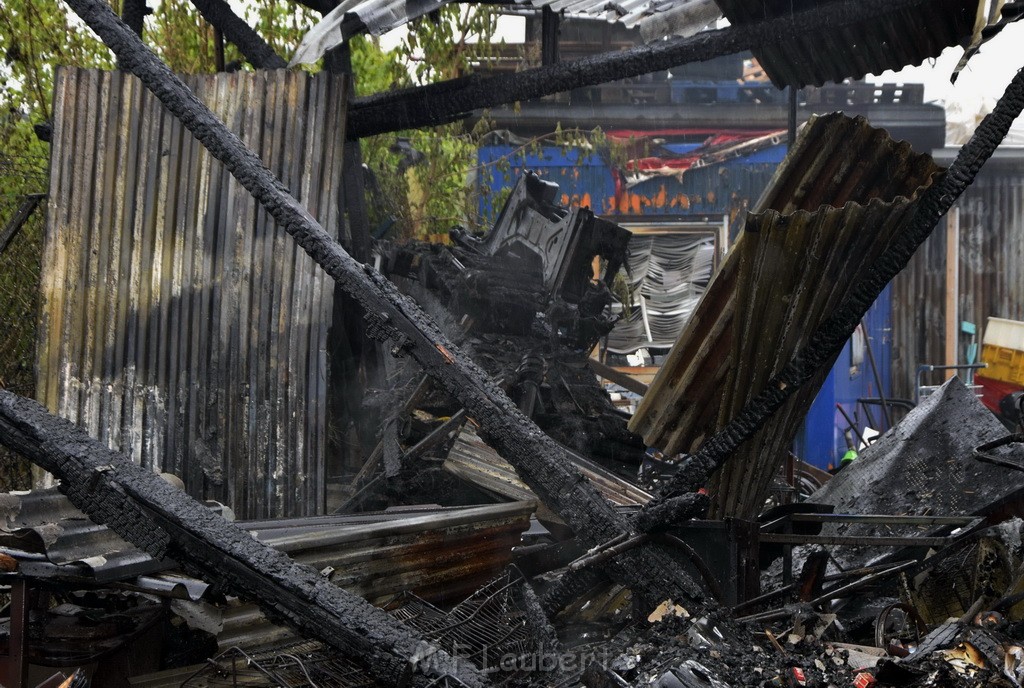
{"x": 877, "y": 376}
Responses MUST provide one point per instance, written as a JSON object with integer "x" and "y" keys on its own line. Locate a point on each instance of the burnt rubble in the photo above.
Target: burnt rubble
{"x": 496, "y": 533}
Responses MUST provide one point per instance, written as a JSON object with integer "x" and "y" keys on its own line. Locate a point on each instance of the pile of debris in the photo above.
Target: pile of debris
{"x": 555, "y": 568}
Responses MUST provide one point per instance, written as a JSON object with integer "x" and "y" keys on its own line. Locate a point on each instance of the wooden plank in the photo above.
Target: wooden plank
{"x": 952, "y": 328}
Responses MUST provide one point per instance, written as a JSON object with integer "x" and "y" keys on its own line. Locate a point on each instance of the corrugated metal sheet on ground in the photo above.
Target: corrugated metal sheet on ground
{"x": 834, "y": 204}
{"x": 871, "y": 47}
{"x": 179, "y": 324}
{"x": 991, "y": 273}
{"x": 440, "y": 553}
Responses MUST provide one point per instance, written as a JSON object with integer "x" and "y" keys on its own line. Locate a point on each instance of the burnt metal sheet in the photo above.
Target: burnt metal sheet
{"x": 473, "y": 461}
{"x": 68, "y": 543}
{"x": 654, "y": 18}
{"x": 178, "y": 323}
{"x": 834, "y": 205}
{"x": 923, "y": 466}
{"x": 436, "y": 552}
{"x": 991, "y": 269}
{"x": 908, "y": 38}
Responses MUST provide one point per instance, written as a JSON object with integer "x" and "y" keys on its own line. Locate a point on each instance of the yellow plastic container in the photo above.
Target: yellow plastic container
{"x": 1003, "y": 350}
{"x": 1005, "y": 365}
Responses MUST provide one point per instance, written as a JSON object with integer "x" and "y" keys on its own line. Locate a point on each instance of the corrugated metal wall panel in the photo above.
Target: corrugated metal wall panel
{"x": 178, "y": 323}
{"x": 991, "y": 273}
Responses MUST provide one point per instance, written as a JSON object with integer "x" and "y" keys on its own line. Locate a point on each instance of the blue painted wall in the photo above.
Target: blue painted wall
{"x": 821, "y": 441}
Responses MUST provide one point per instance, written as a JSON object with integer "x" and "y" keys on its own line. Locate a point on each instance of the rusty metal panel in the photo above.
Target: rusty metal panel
{"x": 852, "y": 52}
{"x": 178, "y": 324}
{"x": 991, "y": 272}
{"x": 832, "y": 207}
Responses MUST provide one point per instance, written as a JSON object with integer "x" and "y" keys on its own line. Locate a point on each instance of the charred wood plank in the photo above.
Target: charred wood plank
{"x": 14, "y": 225}
{"x": 394, "y": 317}
{"x": 450, "y": 100}
{"x": 165, "y": 522}
{"x": 673, "y": 504}
{"x": 235, "y": 29}
{"x": 618, "y": 377}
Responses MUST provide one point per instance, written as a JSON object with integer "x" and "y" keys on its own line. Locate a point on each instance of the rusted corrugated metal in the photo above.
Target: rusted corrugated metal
{"x": 871, "y": 47}
{"x": 832, "y": 207}
{"x": 178, "y": 323}
{"x": 991, "y": 272}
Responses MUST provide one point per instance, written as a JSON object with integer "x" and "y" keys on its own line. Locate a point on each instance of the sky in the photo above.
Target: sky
{"x": 979, "y": 85}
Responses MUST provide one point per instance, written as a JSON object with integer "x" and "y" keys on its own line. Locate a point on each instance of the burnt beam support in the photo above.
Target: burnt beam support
{"x": 236, "y": 30}
{"x": 549, "y": 31}
{"x": 450, "y": 100}
{"x": 321, "y": 6}
{"x": 134, "y": 14}
{"x": 833, "y": 334}
{"x": 163, "y": 521}
{"x": 650, "y": 571}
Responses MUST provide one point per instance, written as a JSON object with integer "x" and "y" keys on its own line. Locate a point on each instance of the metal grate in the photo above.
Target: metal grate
{"x": 489, "y": 629}
{"x": 485, "y": 628}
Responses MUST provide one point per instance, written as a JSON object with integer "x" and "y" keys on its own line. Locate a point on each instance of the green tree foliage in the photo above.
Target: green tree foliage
{"x": 432, "y": 195}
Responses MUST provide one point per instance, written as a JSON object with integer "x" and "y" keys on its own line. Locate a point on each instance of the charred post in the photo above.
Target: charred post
{"x": 134, "y": 14}
{"x": 235, "y": 29}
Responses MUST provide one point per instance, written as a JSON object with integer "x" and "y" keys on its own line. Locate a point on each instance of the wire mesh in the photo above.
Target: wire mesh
{"x": 306, "y": 664}
{"x": 489, "y": 628}
{"x": 19, "y": 298}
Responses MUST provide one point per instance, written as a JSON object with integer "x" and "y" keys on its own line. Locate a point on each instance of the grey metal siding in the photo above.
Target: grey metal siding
{"x": 178, "y": 323}
{"x": 991, "y": 271}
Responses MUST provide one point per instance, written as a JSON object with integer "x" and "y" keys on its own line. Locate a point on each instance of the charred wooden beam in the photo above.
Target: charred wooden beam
{"x": 676, "y": 503}
{"x": 549, "y": 31}
{"x": 449, "y": 100}
{"x": 235, "y": 29}
{"x": 394, "y": 317}
{"x": 163, "y": 521}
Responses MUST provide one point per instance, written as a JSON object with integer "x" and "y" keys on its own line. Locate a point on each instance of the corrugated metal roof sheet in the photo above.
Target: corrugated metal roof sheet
{"x": 872, "y": 47}
{"x": 833, "y": 206}
{"x": 179, "y": 324}
{"x": 655, "y": 18}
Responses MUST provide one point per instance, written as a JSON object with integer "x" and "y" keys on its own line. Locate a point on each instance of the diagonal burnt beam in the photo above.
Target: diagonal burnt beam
{"x": 235, "y": 29}
{"x": 449, "y": 100}
{"x": 393, "y": 317}
{"x": 676, "y": 500}
{"x": 163, "y": 521}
